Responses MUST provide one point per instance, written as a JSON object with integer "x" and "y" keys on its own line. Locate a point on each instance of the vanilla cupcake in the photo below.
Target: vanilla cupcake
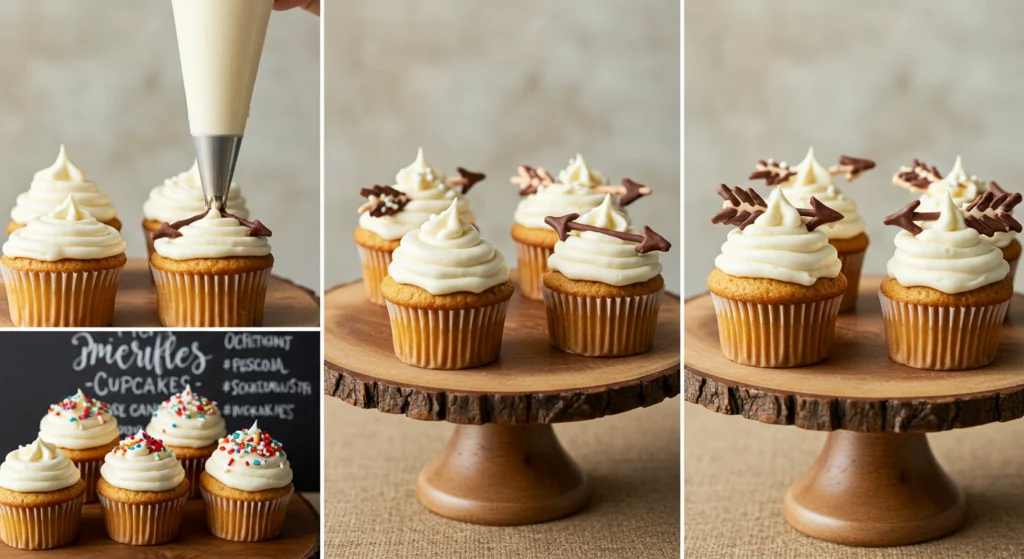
{"x": 63, "y": 269}
{"x": 211, "y": 270}
{"x": 142, "y": 491}
{"x": 83, "y": 429}
{"x": 41, "y": 494}
{"x": 181, "y": 197}
{"x": 447, "y": 291}
{"x": 190, "y": 426}
{"x": 51, "y": 186}
{"x": 246, "y": 486}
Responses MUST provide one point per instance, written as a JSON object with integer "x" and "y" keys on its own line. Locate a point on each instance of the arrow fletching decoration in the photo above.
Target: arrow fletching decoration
{"x": 990, "y": 213}
{"x": 742, "y": 206}
{"x": 917, "y": 177}
{"x": 773, "y": 173}
{"x": 383, "y": 200}
{"x": 852, "y": 167}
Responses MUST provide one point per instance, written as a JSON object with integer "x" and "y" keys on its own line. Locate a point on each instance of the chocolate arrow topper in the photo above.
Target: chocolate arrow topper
{"x": 775, "y": 173}
{"x": 171, "y": 230}
{"x": 994, "y": 187}
{"x": 466, "y": 179}
{"x": 648, "y": 242}
{"x": 917, "y": 177}
{"x": 988, "y": 214}
{"x": 530, "y": 179}
{"x": 743, "y": 207}
{"x": 383, "y": 200}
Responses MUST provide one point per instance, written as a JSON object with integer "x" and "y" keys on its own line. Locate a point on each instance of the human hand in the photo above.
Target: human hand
{"x": 312, "y": 6}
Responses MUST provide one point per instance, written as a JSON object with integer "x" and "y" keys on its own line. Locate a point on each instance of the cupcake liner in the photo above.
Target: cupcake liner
{"x": 186, "y": 300}
{"x": 447, "y": 339}
{"x": 375, "y": 266}
{"x": 91, "y": 475}
{"x": 1011, "y": 275}
{"x": 143, "y": 523}
{"x": 61, "y": 299}
{"x": 43, "y": 527}
{"x": 852, "y": 264}
{"x": 601, "y": 326}
{"x": 532, "y": 262}
{"x": 194, "y": 467}
{"x": 776, "y": 335}
{"x": 942, "y": 338}
{"x": 245, "y": 521}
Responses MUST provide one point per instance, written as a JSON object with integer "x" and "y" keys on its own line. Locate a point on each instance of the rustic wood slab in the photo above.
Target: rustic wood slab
{"x": 288, "y": 305}
{"x": 858, "y": 388}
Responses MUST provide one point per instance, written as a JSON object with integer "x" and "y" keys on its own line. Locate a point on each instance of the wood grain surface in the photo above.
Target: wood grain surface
{"x": 531, "y": 382}
{"x": 858, "y": 388}
{"x": 288, "y": 305}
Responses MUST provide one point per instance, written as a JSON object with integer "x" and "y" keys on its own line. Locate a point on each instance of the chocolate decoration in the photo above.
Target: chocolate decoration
{"x": 906, "y": 217}
{"x": 649, "y": 241}
{"x": 994, "y": 187}
{"x": 383, "y": 200}
{"x": 773, "y": 173}
{"x": 745, "y": 206}
{"x": 467, "y": 179}
{"x": 256, "y": 228}
{"x": 170, "y": 230}
{"x": 529, "y": 179}
{"x": 919, "y": 176}
{"x": 852, "y": 167}
{"x": 628, "y": 192}
{"x": 820, "y": 214}
{"x": 990, "y": 213}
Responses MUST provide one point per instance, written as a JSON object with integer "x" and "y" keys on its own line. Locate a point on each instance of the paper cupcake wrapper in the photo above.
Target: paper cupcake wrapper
{"x": 532, "y": 262}
{"x": 852, "y": 264}
{"x": 41, "y": 527}
{"x": 942, "y": 338}
{"x": 447, "y": 339}
{"x": 61, "y": 299}
{"x": 209, "y": 301}
{"x": 601, "y": 326}
{"x": 375, "y": 266}
{"x": 194, "y": 467}
{"x": 245, "y": 521}
{"x": 143, "y": 524}
{"x": 91, "y": 475}
{"x": 776, "y": 335}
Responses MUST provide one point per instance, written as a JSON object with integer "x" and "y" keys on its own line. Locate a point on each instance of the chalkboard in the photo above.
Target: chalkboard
{"x": 270, "y": 377}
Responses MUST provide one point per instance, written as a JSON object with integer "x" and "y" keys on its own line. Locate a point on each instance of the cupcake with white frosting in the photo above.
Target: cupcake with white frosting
{"x": 41, "y": 494}
{"x": 142, "y": 491}
{"x": 190, "y": 426}
{"x": 419, "y": 192}
{"x": 83, "y": 429}
{"x": 181, "y": 197}
{"x": 63, "y": 269}
{"x": 246, "y": 486}
{"x": 51, "y": 186}
{"x": 447, "y": 291}
{"x": 211, "y": 270}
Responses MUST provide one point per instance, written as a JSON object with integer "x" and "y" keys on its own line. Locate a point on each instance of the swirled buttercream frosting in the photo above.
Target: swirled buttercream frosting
{"x": 67, "y": 232}
{"x": 181, "y": 197}
{"x": 53, "y": 185}
{"x": 964, "y": 188}
{"x": 79, "y": 422}
{"x": 142, "y": 463}
{"x": 37, "y": 468}
{"x": 573, "y": 194}
{"x": 187, "y": 420}
{"x": 212, "y": 236}
{"x": 250, "y": 460}
{"x": 814, "y": 180}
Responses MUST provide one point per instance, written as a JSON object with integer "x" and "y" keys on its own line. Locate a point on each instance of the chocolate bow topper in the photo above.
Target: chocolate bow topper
{"x": 530, "y": 179}
{"x": 649, "y": 241}
{"x": 988, "y": 214}
{"x": 917, "y": 177}
{"x": 776, "y": 173}
{"x": 745, "y": 206}
{"x": 171, "y": 230}
{"x": 383, "y": 200}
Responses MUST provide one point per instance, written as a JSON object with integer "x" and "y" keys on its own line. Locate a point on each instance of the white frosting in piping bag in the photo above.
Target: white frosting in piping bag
{"x": 51, "y": 186}
{"x": 814, "y": 180}
{"x": 181, "y": 197}
{"x": 67, "y": 232}
{"x": 37, "y": 468}
{"x": 213, "y": 236}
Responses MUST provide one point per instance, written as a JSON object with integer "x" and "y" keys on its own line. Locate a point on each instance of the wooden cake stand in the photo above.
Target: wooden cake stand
{"x": 288, "y": 305}
{"x": 504, "y": 464}
{"x": 876, "y": 482}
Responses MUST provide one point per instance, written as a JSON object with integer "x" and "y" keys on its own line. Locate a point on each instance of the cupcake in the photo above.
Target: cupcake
{"x": 603, "y": 285}
{"x": 778, "y": 283}
{"x": 83, "y": 429}
{"x": 391, "y": 212}
{"x": 51, "y": 186}
{"x": 142, "y": 492}
{"x": 947, "y": 290}
{"x": 578, "y": 190}
{"x": 181, "y": 197}
{"x": 41, "y": 494}
{"x": 447, "y": 291}
{"x": 211, "y": 270}
{"x": 189, "y": 426}
{"x": 809, "y": 179}
{"x": 246, "y": 487}
{"x": 62, "y": 269}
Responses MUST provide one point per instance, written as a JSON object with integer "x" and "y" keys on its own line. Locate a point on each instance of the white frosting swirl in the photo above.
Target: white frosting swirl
{"x": 947, "y": 255}
{"x": 181, "y": 197}
{"x": 964, "y": 188}
{"x": 53, "y": 185}
{"x": 429, "y": 194}
{"x": 79, "y": 422}
{"x": 187, "y": 420}
{"x": 37, "y": 468}
{"x": 213, "y": 236}
{"x": 814, "y": 180}
{"x": 67, "y": 232}
{"x": 580, "y": 174}
{"x": 447, "y": 255}
{"x": 572, "y": 194}
{"x": 142, "y": 463}
{"x": 778, "y": 246}
{"x": 250, "y": 460}
{"x": 593, "y": 256}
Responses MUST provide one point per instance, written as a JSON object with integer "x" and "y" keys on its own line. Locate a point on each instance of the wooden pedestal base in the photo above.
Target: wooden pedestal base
{"x": 503, "y": 475}
{"x": 875, "y": 489}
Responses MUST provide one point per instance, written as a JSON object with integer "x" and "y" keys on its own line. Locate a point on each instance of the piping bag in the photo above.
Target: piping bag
{"x": 220, "y": 43}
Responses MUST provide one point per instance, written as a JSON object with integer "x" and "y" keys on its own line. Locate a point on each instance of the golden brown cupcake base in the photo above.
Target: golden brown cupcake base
{"x": 41, "y": 520}
{"x": 244, "y": 516}
{"x": 211, "y": 292}
{"x": 193, "y": 460}
{"x": 62, "y": 293}
{"x": 991, "y": 294}
{"x": 150, "y": 226}
{"x": 374, "y": 257}
{"x": 770, "y": 291}
{"x": 88, "y": 461}
{"x": 533, "y": 248}
{"x": 142, "y": 517}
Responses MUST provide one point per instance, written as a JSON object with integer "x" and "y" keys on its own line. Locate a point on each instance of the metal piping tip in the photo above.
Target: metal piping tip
{"x": 216, "y": 157}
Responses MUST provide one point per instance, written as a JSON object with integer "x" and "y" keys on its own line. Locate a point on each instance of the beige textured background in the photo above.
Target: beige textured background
{"x": 885, "y": 80}
{"x": 490, "y": 86}
{"x": 103, "y": 77}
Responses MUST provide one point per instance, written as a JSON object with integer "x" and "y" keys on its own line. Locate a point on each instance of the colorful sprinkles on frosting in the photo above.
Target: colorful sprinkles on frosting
{"x": 141, "y": 440}
{"x": 251, "y": 446}
{"x": 79, "y": 407}
{"x": 188, "y": 405}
